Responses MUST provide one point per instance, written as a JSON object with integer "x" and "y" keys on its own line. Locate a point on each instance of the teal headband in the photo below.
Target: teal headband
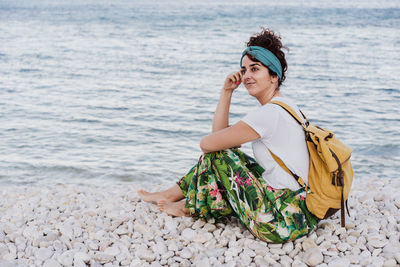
{"x": 266, "y": 57}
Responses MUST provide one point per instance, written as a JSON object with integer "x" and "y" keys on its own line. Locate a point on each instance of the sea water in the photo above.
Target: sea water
{"x": 123, "y": 91}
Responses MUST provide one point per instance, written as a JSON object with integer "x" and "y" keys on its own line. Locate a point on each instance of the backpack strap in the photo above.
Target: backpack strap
{"x": 299, "y": 180}
{"x": 292, "y": 113}
{"x": 297, "y": 118}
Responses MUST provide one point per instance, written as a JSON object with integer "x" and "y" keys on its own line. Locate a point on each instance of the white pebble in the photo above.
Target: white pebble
{"x": 81, "y": 256}
{"x": 210, "y": 227}
{"x": 198, "y": 224}
{"x": 313, "y": 257}
{"x": 145, "y": 254}
{"x": 342, "y": 247}
{"x": 160, "y": 248}
{"x": 5, "y": 263}
{"x": 43, "y": 254}
{"x": 103, "y": 258}
{"x": 167, "y": 255}
{"x": 173, "y": 246}
{"x": 202, "y": 237}
{"x": 51, "y": 263}
{"x": 186, "y": 253}
{"x": 308, "y": 243}
{"x": 66, "y": 258}
{"x": 342, "y": 262}
{"x": 140, "y": 228}
{"x": 390, "y": 263}
{"x": 288, "y": 247}
{"x": 113, "y": 251}
{"x": 188, "y": 234}
{"x": 203, "y": 262}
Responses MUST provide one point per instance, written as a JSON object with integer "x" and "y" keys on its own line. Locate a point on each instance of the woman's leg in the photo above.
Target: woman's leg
{"x": 172, "y": 194}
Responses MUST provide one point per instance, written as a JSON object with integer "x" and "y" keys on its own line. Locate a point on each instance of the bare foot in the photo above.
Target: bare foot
{"x": 152, "y": 197}
{"x": 173, "y": 208}
{"x": 170, "y": 195}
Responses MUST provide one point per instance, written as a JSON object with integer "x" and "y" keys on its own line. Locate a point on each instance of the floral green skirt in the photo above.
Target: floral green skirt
{"x": 230, "y": 183}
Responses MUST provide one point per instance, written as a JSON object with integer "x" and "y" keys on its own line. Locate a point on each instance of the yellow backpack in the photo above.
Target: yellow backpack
{"x": 330, "y": 174}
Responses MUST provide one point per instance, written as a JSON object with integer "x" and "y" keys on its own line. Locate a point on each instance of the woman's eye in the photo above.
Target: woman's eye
{"x": 254, "y": 69}
{"x": 243, "y": 72}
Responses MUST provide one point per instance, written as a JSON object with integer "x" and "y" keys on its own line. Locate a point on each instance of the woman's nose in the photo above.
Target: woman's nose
{"x": 245, "y": 76}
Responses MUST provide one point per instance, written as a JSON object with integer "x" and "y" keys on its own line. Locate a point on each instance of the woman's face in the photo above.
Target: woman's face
{"x": 256, "y": 78}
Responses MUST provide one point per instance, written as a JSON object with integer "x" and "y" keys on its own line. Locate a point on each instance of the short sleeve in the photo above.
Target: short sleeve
{"x": 263, "y": 120}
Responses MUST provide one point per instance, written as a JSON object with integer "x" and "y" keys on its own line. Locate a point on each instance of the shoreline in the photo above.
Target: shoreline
{"x": 88, "y": 225}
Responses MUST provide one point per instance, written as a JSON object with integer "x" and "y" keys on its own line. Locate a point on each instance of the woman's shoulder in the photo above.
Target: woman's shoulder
{"x": 286, "y": 100}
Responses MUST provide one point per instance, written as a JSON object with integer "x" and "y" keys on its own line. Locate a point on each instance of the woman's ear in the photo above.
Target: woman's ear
{"x": 274, "y": 78}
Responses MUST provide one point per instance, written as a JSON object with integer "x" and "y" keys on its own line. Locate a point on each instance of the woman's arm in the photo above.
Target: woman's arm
{"x": 221, "y": 115}
{"x": 232, "y": 136}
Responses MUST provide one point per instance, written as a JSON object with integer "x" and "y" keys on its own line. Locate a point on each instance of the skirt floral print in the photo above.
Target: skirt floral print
{"x": 230, "y": 183}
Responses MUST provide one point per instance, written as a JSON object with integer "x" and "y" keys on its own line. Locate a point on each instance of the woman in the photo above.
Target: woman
{"x": 227, "y": 182}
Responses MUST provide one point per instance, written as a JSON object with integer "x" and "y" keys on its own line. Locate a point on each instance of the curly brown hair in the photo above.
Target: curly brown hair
{"x": 268, "y": 39}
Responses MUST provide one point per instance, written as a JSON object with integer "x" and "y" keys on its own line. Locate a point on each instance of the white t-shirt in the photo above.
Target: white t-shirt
{"x": 281, "y": 134}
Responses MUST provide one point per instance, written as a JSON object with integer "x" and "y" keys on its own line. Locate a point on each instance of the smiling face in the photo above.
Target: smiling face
{"x": 257, "y": 80}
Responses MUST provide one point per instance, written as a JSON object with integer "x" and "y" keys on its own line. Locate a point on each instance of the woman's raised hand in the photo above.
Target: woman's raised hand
{"x": 233, "y": 81}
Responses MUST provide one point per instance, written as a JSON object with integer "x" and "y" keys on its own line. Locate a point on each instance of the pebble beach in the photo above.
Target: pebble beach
{"x": 87, "y": 225}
